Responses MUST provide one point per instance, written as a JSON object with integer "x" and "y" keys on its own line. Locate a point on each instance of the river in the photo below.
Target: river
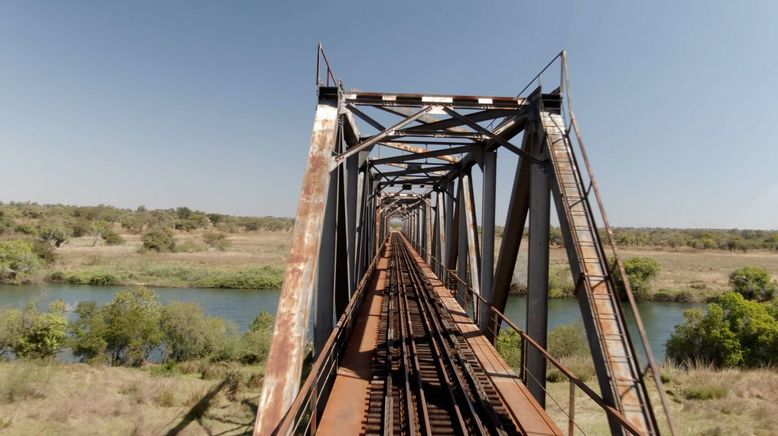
{"x": 242, "y": 305}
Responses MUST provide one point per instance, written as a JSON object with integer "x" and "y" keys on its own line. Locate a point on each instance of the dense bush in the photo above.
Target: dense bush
{"x": 568, "y": 341}
{"x": 17, "y": 260}
{"x": 641, "y": 272}
{"x": 189, "y": 333}
{"x": 54, "y": 234}
{"x": 159, "y": 239}
{"x": 126, "y": 330}
{"x": 734, "y": 332}
{"x": 508, "y": 344}
{"x": 753, "y": 283}
{"x": 29, "y": 333}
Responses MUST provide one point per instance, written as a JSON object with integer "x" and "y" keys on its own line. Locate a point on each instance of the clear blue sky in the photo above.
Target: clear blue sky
{"x": 210, "y": 104}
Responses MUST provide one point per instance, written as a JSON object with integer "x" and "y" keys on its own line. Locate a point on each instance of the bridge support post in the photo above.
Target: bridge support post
{"x": 284, "y": 365}
{"x": 487, "y": 228}
{"x": 325, "y": 270}
{"x": 537, "y": 279}
{"x": 471, "y": 224}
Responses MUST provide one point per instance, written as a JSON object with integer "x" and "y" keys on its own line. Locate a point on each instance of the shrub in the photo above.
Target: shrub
{"x": 159, "y": 239}
{"x": 10, "y": 323}
{"x": 560, "y": 283}
{"x": 88, "y": 332}
{"x": 132, "y": 328}
{"x": 41, "y": 335}
{"x": 509, "y": 346}
{"x": 189, "y": 333}
{"x": 54, "y": 234}
{"x": 753, "y": 283}
{"x": 17, "y": 260}
{"x": 111, "y": 238}
{"x": 216, "y": 240}
{"x": 256, "y": 341}
{"x": 733, "y": 332}
{"x": 641, "y": 271}
{"x": 568, "y": 341}
{"x": 704, "y": 392}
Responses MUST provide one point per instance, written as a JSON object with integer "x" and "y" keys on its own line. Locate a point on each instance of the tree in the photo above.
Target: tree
{"x": 159, "y": 239}
{"x": 132, "y": 326}
{"x": 641, "y": 271}
{"x": 257, "y": 339}
{"x": 10, "y": 322}
{"x": 17, "y": 260}
{"x": 41, "y": 335}
{"x": 753, "y": 283}
{"x": 733, "y": 332}
{"x": 189, "y": 333}
{"x": 88, "y": 332}
{"x": 54, "y": 234}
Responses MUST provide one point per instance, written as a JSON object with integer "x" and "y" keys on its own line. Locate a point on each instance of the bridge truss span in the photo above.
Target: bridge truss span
{"x": 392, "y": 258}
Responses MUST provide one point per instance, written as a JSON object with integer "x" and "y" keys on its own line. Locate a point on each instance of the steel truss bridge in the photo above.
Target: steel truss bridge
{"x": 396, "y": 268}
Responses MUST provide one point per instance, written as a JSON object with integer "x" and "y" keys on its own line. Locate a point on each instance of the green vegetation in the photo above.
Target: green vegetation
{"x": 704, "y": 392}
{"x": 125, "y": 331}
{"x": 216, "y": 240}
{"x": 159, "y": 239}
{"x": 641, "y": 272}
{"x": 17, "y": 260}
{"x": 753, "y": 283}
{"x": 734, "y": 332}
{"x": 29, "y": 333}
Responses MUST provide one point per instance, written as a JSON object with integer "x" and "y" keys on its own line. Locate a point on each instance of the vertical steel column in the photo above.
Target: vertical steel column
{"x": 474, "y": 257}
{"x": 342, "y": 279}
{"x": 537, "y": 279}
{"x": 325, "y": 278}
{"x": 462, "y": 237}
{"x": 284, "y": 365}
{"x": 428, "y": 230}
{"x": 453, "y": 240}
{"x": 450, "y": 229}
{"x": 352, "y": 193}
{"x": 441, "y": 236}
{"x": 512, "y": 234}
{"x": 487, "y": 228}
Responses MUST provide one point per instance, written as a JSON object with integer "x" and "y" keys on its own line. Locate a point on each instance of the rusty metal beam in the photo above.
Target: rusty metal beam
{"x": 284, "y": 364}
{"x": 473, "y": 253}
{"x": 377, "y": 138}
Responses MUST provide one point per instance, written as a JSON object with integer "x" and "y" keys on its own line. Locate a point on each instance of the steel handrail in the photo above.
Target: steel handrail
{"x": 306, "y": 396}
{"x": 610, "y": 410}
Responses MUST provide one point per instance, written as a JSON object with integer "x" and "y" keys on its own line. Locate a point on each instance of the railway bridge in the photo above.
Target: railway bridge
{"x": 395, "y": 263}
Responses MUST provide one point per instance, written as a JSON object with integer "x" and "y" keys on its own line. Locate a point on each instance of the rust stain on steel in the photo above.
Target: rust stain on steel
{"x": 284, "y": 365}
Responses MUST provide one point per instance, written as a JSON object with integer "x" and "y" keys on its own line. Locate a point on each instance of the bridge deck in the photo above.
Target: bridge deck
{"x": 349, "y": 407}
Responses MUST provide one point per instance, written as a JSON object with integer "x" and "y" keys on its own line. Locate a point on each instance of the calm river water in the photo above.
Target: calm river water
{"x": 242, "y": 305}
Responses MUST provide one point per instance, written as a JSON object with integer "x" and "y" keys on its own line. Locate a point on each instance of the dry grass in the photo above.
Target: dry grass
{"x": 84, "y": 400}
{"x": 700, "y": 273}
{"x": 743, "y": 402}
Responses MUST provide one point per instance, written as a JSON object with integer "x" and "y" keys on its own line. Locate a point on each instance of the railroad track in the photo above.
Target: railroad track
{"x": 425, "y": 377}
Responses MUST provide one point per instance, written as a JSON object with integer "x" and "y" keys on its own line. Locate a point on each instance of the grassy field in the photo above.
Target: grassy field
{"x": 700, "y": 274}
{"x": 80, "y": 399}
{"x": 703, "y": 402}
{"x": 38, "y": 399}
{"x": 251, "y": 259}
{"x": 257, "y": 258}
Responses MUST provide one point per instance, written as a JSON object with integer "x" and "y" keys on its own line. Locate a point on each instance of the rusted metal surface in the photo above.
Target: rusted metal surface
{"x": 437, "y": 141}
{"x": 615, "y": 362}
{"x": 284, "y": 364}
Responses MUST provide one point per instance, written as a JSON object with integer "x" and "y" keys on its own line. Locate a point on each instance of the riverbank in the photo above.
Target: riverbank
{"x": 247, "y": 260}
{"x": 686, "y": 275}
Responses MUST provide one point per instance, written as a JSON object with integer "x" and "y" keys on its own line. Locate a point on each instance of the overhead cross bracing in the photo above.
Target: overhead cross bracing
{"x": 381, "y": 159}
